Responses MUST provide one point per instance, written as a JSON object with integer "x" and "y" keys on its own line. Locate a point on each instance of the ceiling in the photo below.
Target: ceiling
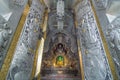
{"x": 68, "y": 3}
{"x": 114, "y": 10}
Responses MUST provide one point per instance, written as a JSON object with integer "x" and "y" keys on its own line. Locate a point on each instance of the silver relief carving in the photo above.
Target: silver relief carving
{"x": 17, "y": 3}
{"x": 113, "y": 38}
{"x": 101, "y": 4}
{"x": 5, "y": 33}
{"x": 60, "y": 14}
{"x": 96, "y": 66}
{"x": 22, "y": 62}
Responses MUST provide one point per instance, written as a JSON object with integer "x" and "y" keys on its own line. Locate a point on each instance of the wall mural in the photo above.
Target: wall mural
{"x": 22, "y": 62}
{"x": 96, "y": 65}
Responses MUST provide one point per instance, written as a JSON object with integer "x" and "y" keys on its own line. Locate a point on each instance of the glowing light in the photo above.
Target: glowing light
{"x": 60, "y": 72}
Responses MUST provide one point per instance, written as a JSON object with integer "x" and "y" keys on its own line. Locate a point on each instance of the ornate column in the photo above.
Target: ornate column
{"x": 22, "y": 63}
{"x": 60, "y": 14}
{"x": 41, "y": 46}
{"x": 79, "y": 47}
{"x": 105, "y": 28}
{"x": 95, "y": 62}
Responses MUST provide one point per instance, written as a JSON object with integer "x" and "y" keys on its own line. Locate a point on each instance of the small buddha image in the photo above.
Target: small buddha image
{"x": 60, "y": 61}
{"x": 60, "y": 49}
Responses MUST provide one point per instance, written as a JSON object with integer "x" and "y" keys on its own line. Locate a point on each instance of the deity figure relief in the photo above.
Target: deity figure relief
{"x": 89, "y": 32}
{"x": 19, "y": 2}
{"x": 101, "y": 3}
{"x": 4, "y": 36}
{"x": 115, "y": 38}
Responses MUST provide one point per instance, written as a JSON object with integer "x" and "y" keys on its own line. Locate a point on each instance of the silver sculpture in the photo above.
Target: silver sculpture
{"x": 21, "y": 66}
{"x": 101, "y": 4}
{"x": 17, "y": 3}
{"x": 60, "y": 14}
{"x": 5, "y": 33}
{"x": 96, "y": 66}
{"x": 4, "y": 36}
{"x": 113, "y": 38}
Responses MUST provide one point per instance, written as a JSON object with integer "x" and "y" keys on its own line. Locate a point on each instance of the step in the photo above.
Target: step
{"x": 61, "y": 77}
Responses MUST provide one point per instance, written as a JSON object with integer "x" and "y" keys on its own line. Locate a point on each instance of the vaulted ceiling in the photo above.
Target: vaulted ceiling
{"x": 68, "y": 3}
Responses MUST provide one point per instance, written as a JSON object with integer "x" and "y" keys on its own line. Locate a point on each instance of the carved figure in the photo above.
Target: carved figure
{"x": 4, "y": 36}
{"x": 19, "y": 2}
{"x": 115, "y": 40}
{"x": 21, "y": 65}
{"x": 101, "y": 3}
